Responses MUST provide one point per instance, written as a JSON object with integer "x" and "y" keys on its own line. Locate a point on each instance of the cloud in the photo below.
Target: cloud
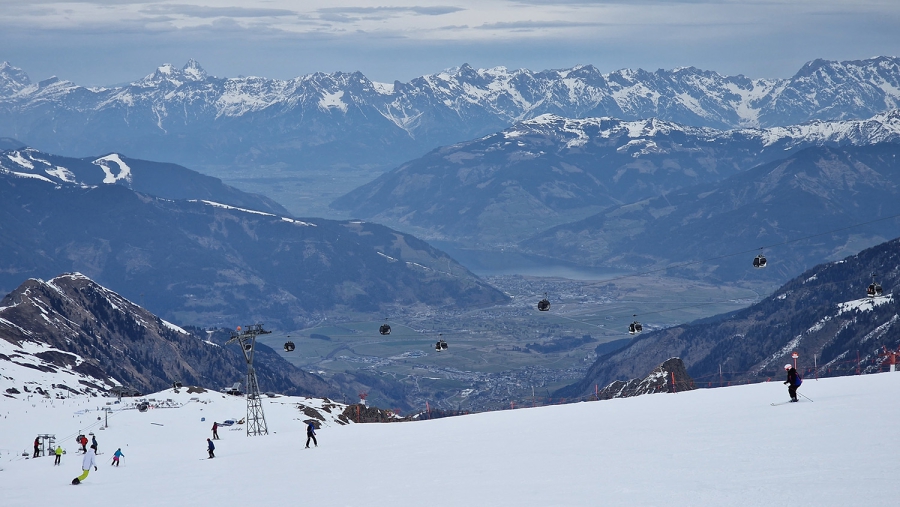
{"x": 536, "y": 25}
{"x": 199, "y": 11}
{"x": 350, "y": 14}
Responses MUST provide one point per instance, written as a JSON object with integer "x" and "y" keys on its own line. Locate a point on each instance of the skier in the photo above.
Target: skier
{"x": 59, "y": 453}
{"x": 37, "y": 447}
{"x": 83, "y": 441}
{"x": 215, "y": 429}
{"x": 116, "y": 457}
{"x": 94, "y": 442}
{"x": 86, "y": 464}
{"x": 311, "y": 434}
{"x": 210, "y": 448}
{"x": 793, "y": 382}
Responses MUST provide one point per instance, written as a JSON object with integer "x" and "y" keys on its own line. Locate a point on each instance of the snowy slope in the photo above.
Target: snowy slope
{"x": 714, "y": 447}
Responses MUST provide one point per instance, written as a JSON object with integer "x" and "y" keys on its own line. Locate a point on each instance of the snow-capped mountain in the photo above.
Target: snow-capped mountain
{"x": 331, "y": 120}
{"x": 74, "y": 336}
{"x": 170, "y": 181}
{"x": 824, "y": 315}
{"x": 549, "y": 170}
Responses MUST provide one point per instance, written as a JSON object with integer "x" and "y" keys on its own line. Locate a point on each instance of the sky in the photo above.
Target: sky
{"x": 106, "y": 42}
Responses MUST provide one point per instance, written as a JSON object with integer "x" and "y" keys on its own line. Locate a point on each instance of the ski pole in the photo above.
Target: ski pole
{"x": 805, "y": 396}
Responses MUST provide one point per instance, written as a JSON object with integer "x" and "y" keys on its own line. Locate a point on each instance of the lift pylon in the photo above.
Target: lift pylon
{"x": 256, "y": 420}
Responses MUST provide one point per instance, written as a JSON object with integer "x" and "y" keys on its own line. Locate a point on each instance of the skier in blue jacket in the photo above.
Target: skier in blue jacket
{"x": 210, "y": 448}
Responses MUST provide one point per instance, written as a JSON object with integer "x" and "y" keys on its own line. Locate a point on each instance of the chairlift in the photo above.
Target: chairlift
{"x": 635, "y": 327}
{"x": 544, "y": 304}
{"x": 289, "y": 346}
{"x": 759, "y": 261}
{"x": 248, "y": 346}
{"x": 874, "y": 289}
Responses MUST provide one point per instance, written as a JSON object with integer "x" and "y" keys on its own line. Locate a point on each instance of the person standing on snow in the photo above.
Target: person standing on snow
{"x": 215, "y": 429}
{"x": 116, "y": 457}
{"x": 793, "y": 381}
{"x": 37, "y": 447}
{"x": 86, "y": 464}
{"x": 210, "y": 448}
{"x": 83, "y": 441}
{"x": 94, "y": 443}
{"x": 59, "y": 453}
{"x": 311, "y": 434}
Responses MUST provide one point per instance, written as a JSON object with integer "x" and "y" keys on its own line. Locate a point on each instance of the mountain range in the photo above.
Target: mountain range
{"x": 343, "y": 120}
{"x": 506, "y": 187}
{"x": 824, "y": 315}
{"x": 807, "y": 207}
{"x": 207, "y": 263}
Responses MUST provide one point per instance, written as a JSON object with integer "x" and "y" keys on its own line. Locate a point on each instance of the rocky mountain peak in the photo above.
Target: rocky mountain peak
{"x": 168, "y": 74}
{"x": 12, "y": 79}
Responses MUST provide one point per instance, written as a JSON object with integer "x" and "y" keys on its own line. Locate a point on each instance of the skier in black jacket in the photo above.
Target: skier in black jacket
{"x": 311, "y": 434}
{"x": 793, "y": 381}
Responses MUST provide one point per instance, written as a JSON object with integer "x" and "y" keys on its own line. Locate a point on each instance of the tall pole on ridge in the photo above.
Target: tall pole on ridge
{"x": 256, "y": 420}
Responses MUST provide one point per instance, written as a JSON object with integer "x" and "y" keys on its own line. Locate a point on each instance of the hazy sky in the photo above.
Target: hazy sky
{"x": 101, "y": 42}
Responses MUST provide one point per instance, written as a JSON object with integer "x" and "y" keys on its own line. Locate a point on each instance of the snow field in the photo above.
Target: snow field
{"x": 711, "y": 447}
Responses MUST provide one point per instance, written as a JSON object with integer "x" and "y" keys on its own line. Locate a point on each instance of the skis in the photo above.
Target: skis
{"x": 783, "y": 403}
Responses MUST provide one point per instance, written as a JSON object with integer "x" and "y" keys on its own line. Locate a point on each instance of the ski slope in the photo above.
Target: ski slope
{"x": 711, "y": 447}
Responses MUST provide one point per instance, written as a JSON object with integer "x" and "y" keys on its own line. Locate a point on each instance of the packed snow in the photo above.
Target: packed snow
{"x": 711, "y": 447}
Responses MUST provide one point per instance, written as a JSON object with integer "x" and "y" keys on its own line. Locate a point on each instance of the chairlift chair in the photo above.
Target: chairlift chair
{"x": 289, "y": 346}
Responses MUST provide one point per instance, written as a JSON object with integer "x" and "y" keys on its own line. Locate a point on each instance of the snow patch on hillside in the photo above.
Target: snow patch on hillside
{"x": 113, "y": 175}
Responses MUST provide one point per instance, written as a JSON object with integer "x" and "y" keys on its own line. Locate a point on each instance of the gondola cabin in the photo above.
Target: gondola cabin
{"x": 759, "y": 261}
{"x": 289, "y": 346}
{"x": 384, "y": 329}
{"x": 544, "y": 305}
{"x": 635, "y": 327}
{"x": 874, "y": 290}
{"x": 441, "y": 345}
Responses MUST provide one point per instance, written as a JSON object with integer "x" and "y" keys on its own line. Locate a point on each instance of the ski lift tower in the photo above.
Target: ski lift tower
{"x": 256, "y": 420}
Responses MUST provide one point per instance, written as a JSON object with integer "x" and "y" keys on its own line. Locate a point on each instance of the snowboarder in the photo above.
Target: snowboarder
{"x": 311, "y": 434}
{"x": 215, "y": 429}
{"x": 59, "y": 453}
{"x": 210, "y": 447}
{"x": 86, "y": 464}
{"x": 116, "y": 457}
{"x": 793, "y": 381}
{"x": 37, "y": 447}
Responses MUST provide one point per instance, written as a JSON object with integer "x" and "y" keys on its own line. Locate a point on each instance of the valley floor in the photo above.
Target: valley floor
{"x": 711, "y": 447}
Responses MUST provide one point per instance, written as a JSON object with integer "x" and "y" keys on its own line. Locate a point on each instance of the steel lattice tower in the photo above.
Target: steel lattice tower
{"x": 256, "y": 420}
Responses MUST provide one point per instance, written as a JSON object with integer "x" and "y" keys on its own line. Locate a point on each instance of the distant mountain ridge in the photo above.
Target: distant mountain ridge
{"x": 332, "y": 120}
{"x": 170, "y": 181}
{"x": 206, "y": 263}
{"x": 811, "y": 192}
{"x": 507, "y": 186}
